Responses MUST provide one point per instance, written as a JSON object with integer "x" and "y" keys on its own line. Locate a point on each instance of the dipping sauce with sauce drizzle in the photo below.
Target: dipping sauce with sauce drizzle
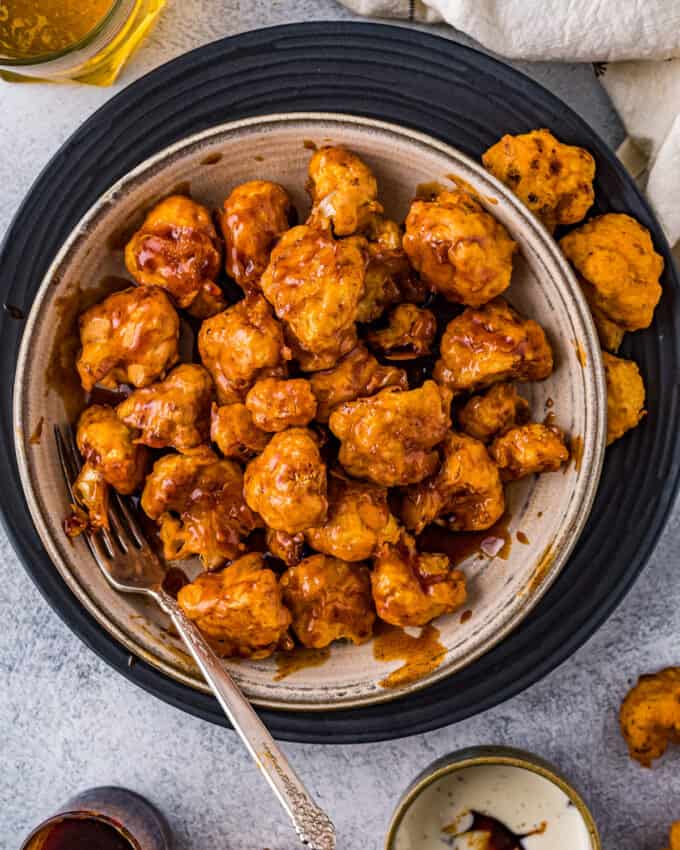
{"x": 489, "y": 806}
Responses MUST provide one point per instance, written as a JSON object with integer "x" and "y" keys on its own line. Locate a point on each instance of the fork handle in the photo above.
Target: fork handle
{"x": 311, "y": 823}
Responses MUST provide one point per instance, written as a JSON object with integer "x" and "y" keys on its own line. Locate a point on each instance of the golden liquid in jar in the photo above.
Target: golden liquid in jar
{"x": 32, "y": 28}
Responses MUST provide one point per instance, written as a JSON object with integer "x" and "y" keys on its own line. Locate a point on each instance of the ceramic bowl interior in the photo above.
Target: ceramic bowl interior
{"x": 548, "y": 512}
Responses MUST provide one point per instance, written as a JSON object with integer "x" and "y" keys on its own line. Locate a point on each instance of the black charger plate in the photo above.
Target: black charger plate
{"x": 468, "y": 100}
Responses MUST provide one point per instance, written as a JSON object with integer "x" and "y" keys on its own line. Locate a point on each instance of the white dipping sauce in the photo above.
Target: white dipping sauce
{"x": 523, "y": 801}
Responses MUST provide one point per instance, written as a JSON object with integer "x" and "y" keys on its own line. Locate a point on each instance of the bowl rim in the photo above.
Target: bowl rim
{"x": 488, "y": 754}
{"x": 538, "y": 234}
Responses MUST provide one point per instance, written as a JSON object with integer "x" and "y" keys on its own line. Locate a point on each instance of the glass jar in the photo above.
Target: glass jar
{"x": 95, "y": 58}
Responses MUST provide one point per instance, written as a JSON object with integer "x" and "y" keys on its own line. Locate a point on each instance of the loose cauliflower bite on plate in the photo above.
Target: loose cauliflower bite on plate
{"x": 554, "y": 180}
{"x": 650, "y": 715}
{"x": 256, "y": 214}
{"x": 177, "y": 248}
{"x": 625, "y": 395}
{"x": 197, "y": 501}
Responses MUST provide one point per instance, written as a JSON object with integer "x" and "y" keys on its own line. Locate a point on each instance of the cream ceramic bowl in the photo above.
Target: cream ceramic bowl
{"x": 522, "y": 792}
{"x": 549, "y": 511}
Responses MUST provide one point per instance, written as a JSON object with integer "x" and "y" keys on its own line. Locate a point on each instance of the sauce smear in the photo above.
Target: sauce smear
{"x": 461, "y": 545}
{"x": 300, "y": 659}
{"x": 421, "y": 654}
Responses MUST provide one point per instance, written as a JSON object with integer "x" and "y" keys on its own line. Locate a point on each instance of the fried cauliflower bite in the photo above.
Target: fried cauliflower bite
{"x": 239, "y": 610}
{"x": 674, "y": 838}
{"x": 315, "y": 283}
{"x": 112, "y": 458}
{"x": 650, "y": 715}
{"x": 484, "y": 416}
{"x": 177, "y": 248}
{"x": 390, "y": 437}
{"x": 197, "y": 500}
{"x": 412, "y": 588}
{"x": 255, "y": 215}
{"x": 276, "y": 404}
{"x": 529, "y": 450}
{"x": 554, "y": 180}
{"x": 131, "y": 337}
{"x": 359, "y": 520}
{"x": 286, "y": 484}
{"x": 343, "y": 191}
{"x": 329, "y": 600}
{"x": 466, "y": 494}
{"x": 459, "y": 249}
{"x": 234, "y": 433}
{"x": 286, "y": 547}
{"x": 409, "y": 333}
{"x": 357, "y": 375}
{"x": 609, "y": 333}
{"x": 618, "y": 266}
{"x": 491, "y": 344}
{"x": 241, "y": 345}
{"x": 174, "y": 413}
{"x": 625, "y": 395}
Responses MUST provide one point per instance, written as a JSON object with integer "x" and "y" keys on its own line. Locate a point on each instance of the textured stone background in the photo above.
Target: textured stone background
{"x": 68, "y": 722}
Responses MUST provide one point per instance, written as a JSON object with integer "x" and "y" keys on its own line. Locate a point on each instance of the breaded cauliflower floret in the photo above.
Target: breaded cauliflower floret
{"x": 625, "y": 395}
{"x": 618, "y": 268}
{"x": 650, "y": 715}
{"x": 485, "y": 416}
{"x": 276, "y": 404}
{"x": 529, "y": 450}
{"x": 410, "y": 333}
{"x": 390, "y": 437}
{"x": 553, "y": 179}
{"x": 412, "y": 588}
{"x": 458, "y": 248}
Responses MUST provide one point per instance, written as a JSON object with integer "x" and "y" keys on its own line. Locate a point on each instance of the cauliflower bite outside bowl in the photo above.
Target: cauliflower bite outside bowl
{"x": 343, "y": 189}
{"x": 286, "y": 484}
{"x": 329, "y": 600}
{"x": 650, "y": 715}
{"x": 458, "y": 248}
{"x": 412, "y": 588}
{"x": 131, "y": 337}
{"x": 177, "y": 248}
{"x": 390, "y": 437}
{"x": 256, "y": 214}
{"x": 491, "y": 344}
{"x": 554, "y": 180}
{"x": 625, "y": 396}
{"x": 618, "y": 266}
{"x": 240, "y": 609}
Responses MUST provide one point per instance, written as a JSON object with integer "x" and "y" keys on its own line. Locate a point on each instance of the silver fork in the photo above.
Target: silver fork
{"x": 130, "y": 566}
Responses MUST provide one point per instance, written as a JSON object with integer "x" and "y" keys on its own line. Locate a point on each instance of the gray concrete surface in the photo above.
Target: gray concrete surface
{"x": 68, "y": 722}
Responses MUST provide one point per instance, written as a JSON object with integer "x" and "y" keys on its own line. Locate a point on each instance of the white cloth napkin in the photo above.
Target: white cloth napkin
{"x": 635, "y": 43}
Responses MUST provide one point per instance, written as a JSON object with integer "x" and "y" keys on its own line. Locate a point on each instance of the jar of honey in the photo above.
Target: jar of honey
{"x": 84, "y": 40}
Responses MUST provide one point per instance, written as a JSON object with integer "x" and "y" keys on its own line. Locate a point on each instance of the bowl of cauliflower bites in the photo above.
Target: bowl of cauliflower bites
{"x": 357, "y": 386}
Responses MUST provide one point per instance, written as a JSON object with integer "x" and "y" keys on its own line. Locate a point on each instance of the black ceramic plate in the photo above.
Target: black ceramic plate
{"x": 469, "y": 101}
